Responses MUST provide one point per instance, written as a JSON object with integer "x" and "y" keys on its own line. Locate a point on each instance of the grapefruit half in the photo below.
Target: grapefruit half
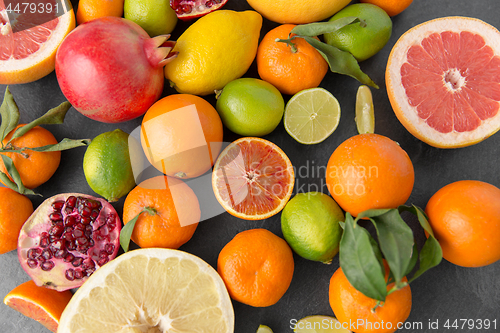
{"x": 29, "y": 52}
{"x": 443, "y": 81}
{"x": 253, "y": 179}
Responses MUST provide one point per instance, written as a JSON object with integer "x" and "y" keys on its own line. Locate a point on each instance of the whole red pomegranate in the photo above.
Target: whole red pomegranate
{"x": 110, "y": 70}
{"x": 67, "y": 238}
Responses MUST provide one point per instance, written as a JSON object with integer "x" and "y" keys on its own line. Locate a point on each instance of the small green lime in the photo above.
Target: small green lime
{"x": 310, "y": 225}
{"x": 107, "y": 165}
{"x": 362, "y": 42}
{"x": 250, "y": 107}
{"x": 154, "y": 16}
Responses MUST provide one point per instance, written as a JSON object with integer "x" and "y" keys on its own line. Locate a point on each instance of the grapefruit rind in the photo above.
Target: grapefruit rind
{"x": 406, "y": 113}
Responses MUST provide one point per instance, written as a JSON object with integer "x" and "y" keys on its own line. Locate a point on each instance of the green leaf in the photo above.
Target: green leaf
{"x": 53, "y": 116}
{"x": 371, "y": 213}
{"x": 127, "y": 230}
{"x": 375, "y": 247}
{"x": 341, "y": 62}
{"x": 396, "y": 242}
{"x": 12, "y": 171}
{"x": 413, "y": 260}
{"x": 320, "y": 28}
{"x": 359, "y": 261}
{"x": 65, "y": 144}
{"x": 10, "y": 114}
{"x": 430, "y": 256}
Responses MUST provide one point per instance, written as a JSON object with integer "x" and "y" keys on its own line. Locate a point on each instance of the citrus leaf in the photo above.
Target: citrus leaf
{"x": 53, "y": 116}
{"x": 10, "y": 114}
{"x": 371, "y": 213}
{"x": 12, "y": 171}
{"x": 65, "y": 144}
{"x": 430, "y": 256}
{"x": 341, "y": 62}
{"x": 413, "y": 260}
{"x": 396, "y": 242}
{"x": 320, "y": 28}
{"x": 375, "y": 247}
{"x": 359, "y": 261}
{"x": 126, "y": 232}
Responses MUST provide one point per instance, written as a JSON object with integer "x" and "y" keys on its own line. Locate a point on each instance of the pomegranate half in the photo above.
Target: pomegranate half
{"x": 67, "y": 238}
{"x": 191, "y": 9}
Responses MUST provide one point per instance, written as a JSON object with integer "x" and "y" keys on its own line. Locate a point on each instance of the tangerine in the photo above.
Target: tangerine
{"x": 15, "y": 209}
{"x": 257, "y": 267}
{"x": 181, "y": 135}
{"x": 176, "y": 212}
{"x": 290, "y": 68}
{"x": 35, "y": 168}
{"x": 465, "y": 219}
{"x": 391, "y": 7}
{"x": 89, "y": 10}
{"x": 369, "y": 171}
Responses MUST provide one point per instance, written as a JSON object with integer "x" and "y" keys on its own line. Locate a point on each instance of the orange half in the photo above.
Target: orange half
{"x": 253, "y": 179}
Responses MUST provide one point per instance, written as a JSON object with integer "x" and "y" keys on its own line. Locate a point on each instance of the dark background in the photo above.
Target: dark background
{"x": 445, "y": 292}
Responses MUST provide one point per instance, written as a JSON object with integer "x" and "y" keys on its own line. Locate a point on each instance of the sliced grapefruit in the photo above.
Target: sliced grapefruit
{"x": 27, "y": 49}
{"x": 253, "y": 179}
{"x": 443, "y": 81}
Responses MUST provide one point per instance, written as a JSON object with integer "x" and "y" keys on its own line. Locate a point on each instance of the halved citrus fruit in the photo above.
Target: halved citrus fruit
{"x": 39, "y": 303}
{"x": 151, "y": 290}
{"x": 28, "y": 48}
{"x": 443, "y": 81}
{"x": 253, "y": 179}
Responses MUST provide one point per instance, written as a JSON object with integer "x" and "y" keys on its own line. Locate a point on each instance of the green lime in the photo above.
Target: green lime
{"x": 250, "y": 107}
{"x": 107, "y": 165}
{"x": 310, "y": 225}
{"x": 312, "y": 115}
{"x": 264, "y": 329}
{"x": 319, "y": 324}
{"x": 362, "y": 42}
{"x": 365, "y": 118}
{"x": 154, "y": 16}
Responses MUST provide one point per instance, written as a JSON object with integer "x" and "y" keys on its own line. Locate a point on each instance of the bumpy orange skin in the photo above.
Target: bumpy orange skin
{"x": 369, "y": 171}
{"x": 39, "y": 303}
{"x": 391, "y": 7}
{"x": 15, "y": 209}
{"x": 351, "y": 307}
{"x": 89, "y": 10}
{"x": 177, "y": 212}
{"x": 287, "y": 70}
{"x": 465, "y": 219}
{"x": 37, "y": 167}
{"x": 257, "y": 267}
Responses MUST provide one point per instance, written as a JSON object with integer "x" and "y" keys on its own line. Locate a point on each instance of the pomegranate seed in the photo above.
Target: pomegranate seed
{"x": 59, "y": 254}
{"x": 77, "y": 233}
{"x": 103, "y": 254}
{"x": 47, "y": 265}
{"x": 109, "y": 248}
{"x": 94, "y": 214}
{"x": 89, "y": 271}
{"x": 71, "y": 201}
{"x": 209, "y": 4}
{"x": 68, "y": 236}
{"x": 69, "y": 221}
{"x": 57, "y": 229}
{"x": 86, "y": 220}
{"x": 58, "y": 245}
{"x": 46, "y": 254}
{"x": 57, "y": 205}
{"x": 88, "y": 263}
{"x": 70, "y": 274}
{"x": 44, "y": 242}
{"x": 82, "y": 240}
{"x": 34, "y": 253}
{"x": 54, "y": 217}
{"x": 104, "y": 230}
{"x": 68, "y": 210}
{"x": 78, "y": 274}
{"x": 102, "y": 261}
{"x": 79, "y": 227}
{"x": 77, "y": 261}
{"x": 69, "y": 257}
{"x": 71, "y": 245}
{"x": 86, "y": 211}
{"x": 32, "y": 263}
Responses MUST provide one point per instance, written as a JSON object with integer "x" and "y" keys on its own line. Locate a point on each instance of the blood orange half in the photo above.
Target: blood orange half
{"x": 253, "y": 179}
{"x": 28, "y": 53}
{"x": 443, "y": 81}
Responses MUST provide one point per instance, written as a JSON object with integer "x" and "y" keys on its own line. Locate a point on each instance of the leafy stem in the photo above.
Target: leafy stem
{"x": 289, "y": 43}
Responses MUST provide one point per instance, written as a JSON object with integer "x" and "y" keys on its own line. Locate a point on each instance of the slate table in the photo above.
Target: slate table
{"x": 445, "y": 293}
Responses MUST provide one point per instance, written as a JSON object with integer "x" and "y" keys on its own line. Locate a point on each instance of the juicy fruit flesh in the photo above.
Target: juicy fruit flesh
{"x": 195, "y": 8}
{"x": 80, "y": 236}
{"x": 453, "y": 81}
{"x": 253, "y": 178}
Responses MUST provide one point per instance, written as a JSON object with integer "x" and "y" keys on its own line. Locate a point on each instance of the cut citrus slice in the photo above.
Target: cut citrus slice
{"x": 365, "y": 117}
{"x": 319, "y": 324}
{"x": 311, "y": 115}
{"x": 264, "y": 329}
{"x": 29, "y": 54}
{"x": 151, "y": 290}
{"x": 253, "y": 179}
{"x": 39, "y": 303}
{"x": 443, "y": 81}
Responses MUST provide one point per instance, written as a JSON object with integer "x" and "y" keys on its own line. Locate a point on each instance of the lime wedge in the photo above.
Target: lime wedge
{"x": 365, "y": 118}
{"x": 264, "y": 329}
{"x": 311, "y": 115}
{"x": 319, "y": 324}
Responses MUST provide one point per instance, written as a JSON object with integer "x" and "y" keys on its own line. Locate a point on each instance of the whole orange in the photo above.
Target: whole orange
{"x": 181, "y": 135}
{"x": 35, "y": 168}
{"x": 176, "y": 212}
{"x": 369, "y": 171}
{"x": 391, "y": 7}
{"x": 89, "y": 10}
{"x": 257, "y": 267}
{"x": 289, "y": 68}
{"x": 15, "y": 209}
{"x": 352, "y": 307}
{"x": 465, "y": 219}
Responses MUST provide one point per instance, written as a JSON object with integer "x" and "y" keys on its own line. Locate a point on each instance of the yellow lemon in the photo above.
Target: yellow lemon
{"x": 213, "y": 51}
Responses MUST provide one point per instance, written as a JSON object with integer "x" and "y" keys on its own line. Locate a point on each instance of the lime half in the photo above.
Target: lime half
{"x": 264, "y": 329}
{"x": 311, "y": 115}
{"x": 319, "y": 324}
{"x": 365, "y": 118}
